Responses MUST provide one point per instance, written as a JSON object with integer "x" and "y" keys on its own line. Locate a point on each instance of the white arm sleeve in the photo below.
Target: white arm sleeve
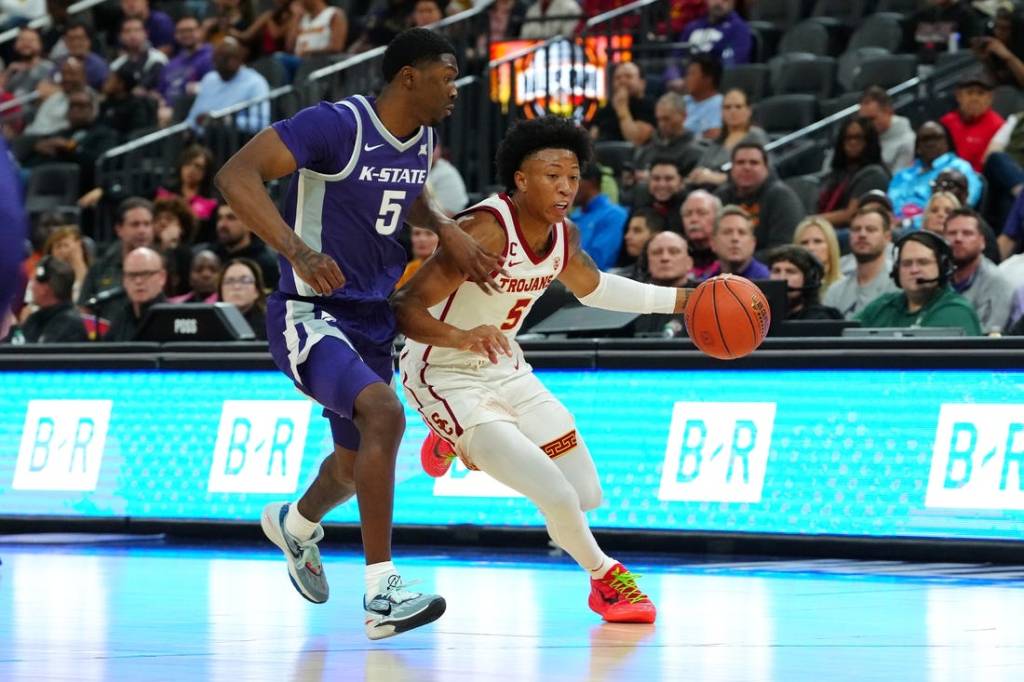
{"x": 623, "y": 295}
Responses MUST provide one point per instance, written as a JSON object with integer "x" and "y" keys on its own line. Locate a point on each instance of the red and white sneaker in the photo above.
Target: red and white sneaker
{"x": 436, "y": 455}
{"x": 617, "y": 599}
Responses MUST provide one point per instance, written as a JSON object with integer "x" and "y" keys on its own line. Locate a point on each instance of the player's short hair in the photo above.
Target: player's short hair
{"x": 529, "y": 136}
{"x": 413, "y": 47}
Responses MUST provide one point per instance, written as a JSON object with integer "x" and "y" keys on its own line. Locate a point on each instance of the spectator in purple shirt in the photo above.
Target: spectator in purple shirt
{"x": 159, "y": 26}
{"x": 192, "y": 61}
{"x": 722, "y": 33}
{"x": 79, "y": 44}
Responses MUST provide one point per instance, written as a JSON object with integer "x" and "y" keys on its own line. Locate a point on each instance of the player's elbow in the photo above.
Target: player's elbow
{"x": 222, "y": 180}
{"x": 400, "y": 306}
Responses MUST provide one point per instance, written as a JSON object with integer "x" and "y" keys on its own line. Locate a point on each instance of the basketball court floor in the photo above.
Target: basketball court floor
{"x": 141, "y": 610}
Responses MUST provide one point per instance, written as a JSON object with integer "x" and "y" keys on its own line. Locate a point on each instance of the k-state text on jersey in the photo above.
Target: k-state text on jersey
{"x": 406, "y": 175}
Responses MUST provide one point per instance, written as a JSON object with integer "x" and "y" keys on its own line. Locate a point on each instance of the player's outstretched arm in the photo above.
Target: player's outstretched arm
{"x": 478, "y": 263}
{"x": 612, "y": 292}
{"x": 436, "y": 280}
{"x": 264, "y": 158}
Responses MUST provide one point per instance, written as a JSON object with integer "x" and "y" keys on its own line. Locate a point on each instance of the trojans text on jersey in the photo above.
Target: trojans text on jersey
{"x": 523, "y": 285}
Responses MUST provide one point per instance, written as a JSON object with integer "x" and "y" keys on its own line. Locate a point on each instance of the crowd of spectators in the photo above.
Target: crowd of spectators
{"x": 696, "y": 196}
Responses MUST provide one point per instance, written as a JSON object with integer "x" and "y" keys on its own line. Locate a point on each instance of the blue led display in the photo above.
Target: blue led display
{"x": 867, "y": 453}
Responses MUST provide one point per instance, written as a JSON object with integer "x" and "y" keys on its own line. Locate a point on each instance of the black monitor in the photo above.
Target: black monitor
{"x": 816, "y": 328}
{"x": 775, "y": 290}
{"x": 905, "y": 332}
{"x": 555, "y": 299}
{"x": 585, "y": 321}
{"x": 194, "y": 322}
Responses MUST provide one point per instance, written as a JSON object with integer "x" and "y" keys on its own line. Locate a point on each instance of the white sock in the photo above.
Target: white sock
{"x": 606, "y": 563}
{"x": 297, "y": 525}
{"x": 374, "y": 573}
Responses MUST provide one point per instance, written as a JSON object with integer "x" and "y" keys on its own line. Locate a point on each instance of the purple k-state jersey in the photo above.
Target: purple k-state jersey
{"x": 355, "y": 184}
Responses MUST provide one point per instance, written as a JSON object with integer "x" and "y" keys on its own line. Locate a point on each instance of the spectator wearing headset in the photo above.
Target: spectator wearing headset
{"x": 923, "y": 270}
{"x": 56, "y": 320}
{"x": 803, "y": 275}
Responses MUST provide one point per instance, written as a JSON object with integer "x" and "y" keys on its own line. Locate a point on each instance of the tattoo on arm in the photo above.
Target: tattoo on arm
{"x": 584, "y": 259}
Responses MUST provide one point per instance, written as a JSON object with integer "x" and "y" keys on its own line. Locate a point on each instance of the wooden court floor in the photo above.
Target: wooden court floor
{"x": 149, "y": 611}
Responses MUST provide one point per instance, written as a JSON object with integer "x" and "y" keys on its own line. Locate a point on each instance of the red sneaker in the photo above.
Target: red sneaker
{"x": 617, "y": 599}
{"x": 436, "y": 455}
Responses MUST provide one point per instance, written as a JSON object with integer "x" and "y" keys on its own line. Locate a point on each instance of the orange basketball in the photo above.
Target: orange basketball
{"x": 727, "y": 317}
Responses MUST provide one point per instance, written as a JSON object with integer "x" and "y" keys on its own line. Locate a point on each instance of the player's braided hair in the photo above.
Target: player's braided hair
{"x": 413, "y": 47}
{"x": 529, "y": 136}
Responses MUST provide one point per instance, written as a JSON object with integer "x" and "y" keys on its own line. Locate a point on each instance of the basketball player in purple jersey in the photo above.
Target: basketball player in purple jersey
{"x": 362, "y": 164}
{"x": 12, "y": 232}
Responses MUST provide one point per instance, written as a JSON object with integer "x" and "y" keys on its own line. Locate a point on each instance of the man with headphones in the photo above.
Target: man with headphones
{"x": 923, "y": 268}
{"x": 802, "y": 273}
{"x": 56, "y": 320}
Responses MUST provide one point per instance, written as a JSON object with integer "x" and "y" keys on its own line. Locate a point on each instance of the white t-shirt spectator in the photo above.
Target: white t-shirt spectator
{"x": 446, "y": 185}
{"x": 565, "y": 15}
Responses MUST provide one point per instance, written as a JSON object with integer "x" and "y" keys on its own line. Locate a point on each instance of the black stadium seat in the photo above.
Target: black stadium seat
{"x": 272, "y": 70}
{"x": 1007, "y": 99}
{"x": 52, "y": 185}
{"x": 614, "y": 153}
{"x": 807, "y": 36}
{"x": 753, "y": 79}
{"x": 786, "y": 113}
{"x": 807, "y": 187}
{"x": 850, "y": 62}
{"x": 781, "y": 13}
{"x": 812, "y": 76}
{"x": 844, "y": 12}
{"x": 906, "y": 7}
{"x": 778, "y": 64}
{"x": 885, "y": 71}
{"x": 878, "y": 30}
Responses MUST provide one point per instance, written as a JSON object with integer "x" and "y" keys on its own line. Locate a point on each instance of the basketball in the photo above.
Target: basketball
{"x": 727, "y": 317}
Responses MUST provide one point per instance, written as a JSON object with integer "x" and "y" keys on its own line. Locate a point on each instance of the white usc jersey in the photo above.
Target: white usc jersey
{"x": 529, "y": 277}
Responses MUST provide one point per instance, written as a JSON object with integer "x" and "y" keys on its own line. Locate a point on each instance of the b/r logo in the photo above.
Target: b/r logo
{"x": 62, "y": 445}
{"x": 978, "y": 458}
{"x": 717, "y": 452}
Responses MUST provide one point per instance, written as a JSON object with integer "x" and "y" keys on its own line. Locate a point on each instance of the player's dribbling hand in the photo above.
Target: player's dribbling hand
{"x": 486, "y": 340}
{"x": 477, "y": 262}
{"x": 319, "y": 271}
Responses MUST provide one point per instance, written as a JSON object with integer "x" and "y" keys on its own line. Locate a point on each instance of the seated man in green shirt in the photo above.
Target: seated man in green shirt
{"x": 923, "y": 267}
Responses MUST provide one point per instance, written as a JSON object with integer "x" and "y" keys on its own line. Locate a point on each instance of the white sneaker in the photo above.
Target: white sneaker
{"x": 394, "y": 610}
{"x": 304, "y": 566}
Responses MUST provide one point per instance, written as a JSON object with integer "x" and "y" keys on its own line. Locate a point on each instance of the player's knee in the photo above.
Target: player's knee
{"x": 381, "y": 415}
{"x": 590, "y": 497}
{"x": 561, "y": 499}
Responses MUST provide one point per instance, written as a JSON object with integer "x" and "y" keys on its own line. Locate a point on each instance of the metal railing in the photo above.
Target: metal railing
{"x": 913, "y": 96}
{"x": 137, "y": 167}
{"x": 562, "y": 75}
{"x": 44, "y": 21}
{"x": 11, "y": 110}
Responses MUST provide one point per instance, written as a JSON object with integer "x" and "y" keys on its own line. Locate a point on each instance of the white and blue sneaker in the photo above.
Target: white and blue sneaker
{"x": 304, "y": 566}
{"x": 394, "y": 610}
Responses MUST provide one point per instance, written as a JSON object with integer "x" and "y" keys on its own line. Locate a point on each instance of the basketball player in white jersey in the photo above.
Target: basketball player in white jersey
{"x": 463, "y": 371}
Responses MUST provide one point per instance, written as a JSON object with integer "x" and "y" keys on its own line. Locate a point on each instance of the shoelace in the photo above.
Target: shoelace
{"x": 309, "y": 548}
{"x": 625, "y": 584}
{"x": 396, "y": 591}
